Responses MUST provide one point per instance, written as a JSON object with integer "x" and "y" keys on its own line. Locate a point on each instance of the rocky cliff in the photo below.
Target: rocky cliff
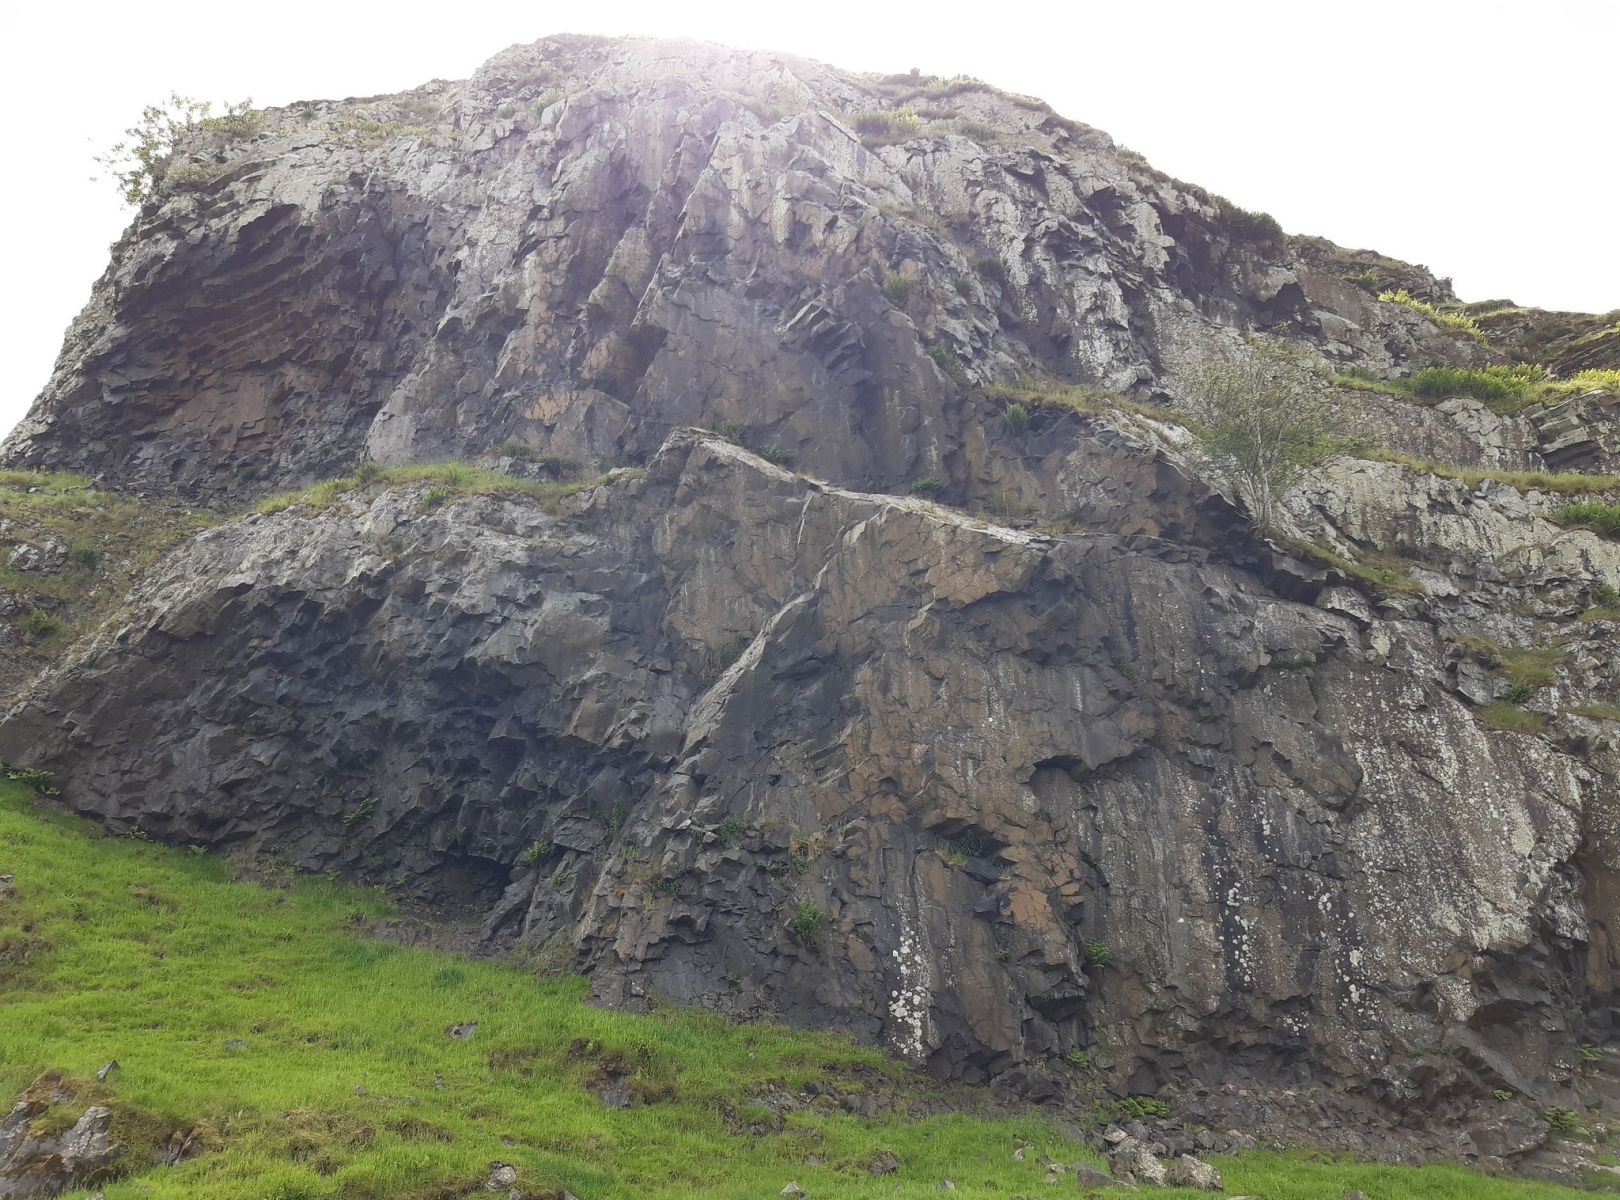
{"x": 1317, "y": 830}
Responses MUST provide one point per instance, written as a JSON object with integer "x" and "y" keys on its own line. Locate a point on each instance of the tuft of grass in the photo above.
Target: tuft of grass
{"x": 1600, "y": 518}
{"x": 349, "y": 1087}
{"x": 897, "y": 288}
{"x": 1565, "y": 482}
{"x": 1383, "y": 574}
{"x": 809, "y": 925}
{"x": 717, "y": 659}
{"x": 1016, "y": 417}
{"x": 929, "y": 486}
{"x": 1506, "y": 716}
{"x": 1081, "y": 397}
{"x": 1505, "y": 389}
{"x": 39, "y": 624}
{"x": 1241, "y": 225}
{"x": 1527, "y": 668}
{"x": 1596, "y": 712}
{"x": 1586, "y": 381}
{"x": 1449, "y": 320}
{"x": 775, "y": 454}
{"x": 447, "y": 480}
{"x": 535, "y": 853}
{"x": 950, "y": 366}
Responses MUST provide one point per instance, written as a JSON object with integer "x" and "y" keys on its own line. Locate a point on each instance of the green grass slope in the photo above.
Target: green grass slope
{"x": 313, "y": 1062}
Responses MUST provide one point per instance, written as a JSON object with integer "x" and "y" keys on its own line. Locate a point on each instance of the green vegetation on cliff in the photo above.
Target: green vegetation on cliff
{"x": 310, "y": 1061}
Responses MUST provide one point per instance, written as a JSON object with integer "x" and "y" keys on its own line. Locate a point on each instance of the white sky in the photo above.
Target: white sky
{"x": 1477, "y": 137}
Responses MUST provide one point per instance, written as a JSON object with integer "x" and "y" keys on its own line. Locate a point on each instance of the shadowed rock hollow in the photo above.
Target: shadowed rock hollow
{"x": 1095, "y": 768}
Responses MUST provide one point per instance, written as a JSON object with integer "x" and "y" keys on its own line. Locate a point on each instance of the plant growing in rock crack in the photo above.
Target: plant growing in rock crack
{"x": 1077, "y": 1057}
{"x": 731, "y": 832}
{"x": 775, "y": 454}
{"x": 1016, "y": 417}
{"x": 1139, "y": 1107}
{"x": 928, "y": 486}
{"x": 1098, "y": 955}
{"x": 896, "y": 288}
{"x": 1260, "y": 422}
{"x": 809, "y": 925}
{"x": 612, "y": 821}
{"x": 717, "y": 660}
{"x": 536, "y": 852}
{"x": 1563, "y": 1121}
{"x": 39, "y": 625}
{"x": 145, "y": 159}
{"x": 360, "y": 813}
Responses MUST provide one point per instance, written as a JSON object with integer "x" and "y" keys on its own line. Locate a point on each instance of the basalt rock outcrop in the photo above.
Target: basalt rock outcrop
{"x": 592, "y": 242}
{"x": 1077, "y": 768}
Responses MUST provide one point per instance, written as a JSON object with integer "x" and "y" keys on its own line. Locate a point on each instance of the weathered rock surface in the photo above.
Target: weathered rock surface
{"x": 593, "y": 241}
{"x": 1097, "y": 769}
{"x": 871, "y": 763}
{"x": 36, "y": 1165}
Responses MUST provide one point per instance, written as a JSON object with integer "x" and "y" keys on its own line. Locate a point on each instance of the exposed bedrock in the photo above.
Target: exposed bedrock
{"x": 986, "y": 796}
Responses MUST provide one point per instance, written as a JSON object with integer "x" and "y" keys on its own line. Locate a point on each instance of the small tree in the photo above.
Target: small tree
{"x": 1261, "y": 422}
{"x": 139, "y": 163}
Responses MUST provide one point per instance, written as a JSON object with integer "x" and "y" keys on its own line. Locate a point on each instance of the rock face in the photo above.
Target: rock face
{"x": 38, "y": 1165}
{"x": 591, "y": 242}
{"x": 868, "y": 762}
{"x": 1096, "y": 770}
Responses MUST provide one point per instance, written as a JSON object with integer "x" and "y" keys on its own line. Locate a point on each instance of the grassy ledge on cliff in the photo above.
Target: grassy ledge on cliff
{"x": 290, "y": 1055}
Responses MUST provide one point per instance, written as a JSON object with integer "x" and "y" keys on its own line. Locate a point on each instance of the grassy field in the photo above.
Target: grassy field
{"x": 312, "y": 1062}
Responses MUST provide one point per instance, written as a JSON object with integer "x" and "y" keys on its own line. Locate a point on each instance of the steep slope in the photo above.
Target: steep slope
{"x": 1312, "y": 831}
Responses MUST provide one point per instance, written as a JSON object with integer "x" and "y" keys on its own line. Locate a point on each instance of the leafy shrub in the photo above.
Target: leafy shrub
{"x": 731, "y": 831}
{"x": 1077, "y": 1057}
{"x": 1098, "y": 954}
{"x": 1600, "y": 518}
{"x": 142, "y": 162}
{"x": 896, "y": 288}
{"x": 928, "y": 486}
{"x": 1451, "y": 320}
{"x": 1016, "y": 417}
{"x": 809, "y": 925}
{"x": 775, "y": 454}
{"x": 39, "y": 625}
